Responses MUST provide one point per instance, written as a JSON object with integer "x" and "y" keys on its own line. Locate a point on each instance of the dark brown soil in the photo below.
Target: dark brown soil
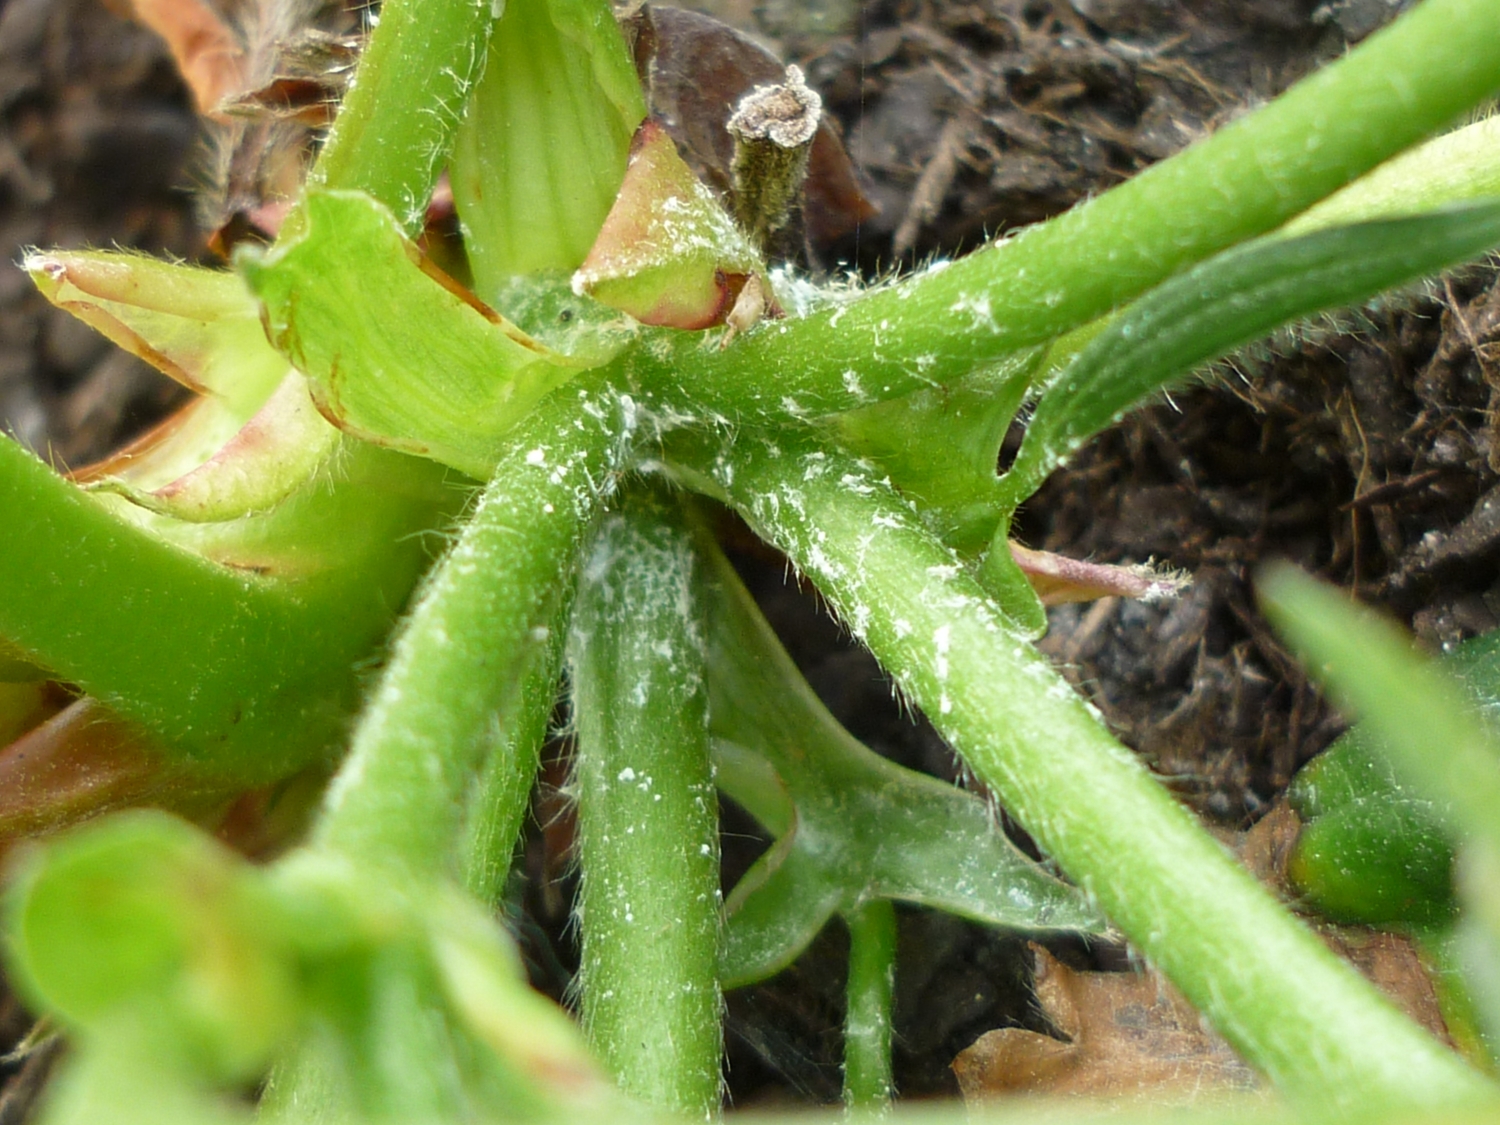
{"x": 1365, "y": 454}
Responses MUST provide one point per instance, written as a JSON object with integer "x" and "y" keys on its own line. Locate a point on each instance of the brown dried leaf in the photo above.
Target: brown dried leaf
{"x": 310, "y": 74}
{"x": 207, "y": 52}
{"x": 1131, "y": 1034}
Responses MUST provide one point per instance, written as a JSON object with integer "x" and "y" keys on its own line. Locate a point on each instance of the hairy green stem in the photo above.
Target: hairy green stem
{"x": 397, "y": 120}
{"x": 648, "y": 838}
{"x": 868, "y": 1081}
{"x": 1395, "y": 88}
{"x": 497, "y": 807}
{"x": 454, "y": 683}
{"x": 1263, "y": 979}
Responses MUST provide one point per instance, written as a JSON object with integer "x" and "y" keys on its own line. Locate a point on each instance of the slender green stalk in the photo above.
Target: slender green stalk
{"x": 397, "y": 120}
{"x": 497, "y": 807}
{"x": 868, "y": 1082}
{"x": 1316, "y": 1028}
{"x": 1395, "y": 88}
{"x": 648, "y": 837}
{"x": 1228, "y": 301}
{"x": 454, "y": 682}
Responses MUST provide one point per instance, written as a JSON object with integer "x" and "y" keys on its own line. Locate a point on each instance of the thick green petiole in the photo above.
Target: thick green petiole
{"x": 868, "y": 1082}
{"x": 454, "y": 684}
{"x": 1293, "y": 1009}
{"x": 249, "y": 677}
{"x": 1401, "y": 84}
{"x": 648, "y": 838}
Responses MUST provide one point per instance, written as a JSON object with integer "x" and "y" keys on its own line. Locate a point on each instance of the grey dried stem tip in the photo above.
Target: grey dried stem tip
{"x": 773, "y": 129}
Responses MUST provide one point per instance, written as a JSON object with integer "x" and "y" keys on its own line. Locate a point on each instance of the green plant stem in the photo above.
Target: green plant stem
{"x": 249, "y": 677}
{"x": 454, "y": 682}
{"x": 1457, "y": 167}
{"x": 1223, "y": 303}
{"x": 497, "y": 807}
{"x": 868, "y": 1082}
{"x": 1291, "y": 1007}
{"x": 397, "y": 120}
{"x": 648, "y": 839}
{"x": 1395, "y": 88}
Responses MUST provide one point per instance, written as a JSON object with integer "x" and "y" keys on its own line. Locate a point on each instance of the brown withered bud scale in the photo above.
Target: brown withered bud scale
{"x": 773, "y": 129}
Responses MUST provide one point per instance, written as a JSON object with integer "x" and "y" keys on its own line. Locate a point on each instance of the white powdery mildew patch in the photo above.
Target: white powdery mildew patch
{"x": 979, "y": 312}
{"x": 859, "y": 620}
{"x": 820, "y": 563}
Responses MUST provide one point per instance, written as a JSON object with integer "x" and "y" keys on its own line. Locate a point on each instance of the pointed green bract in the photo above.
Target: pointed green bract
{"x": 540, "y": 155}
{"x": 250, "y": 441}
{"x": 201, "y": 327}
{"x": 391, "y": 354}
{"x": 271, "y": 456}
